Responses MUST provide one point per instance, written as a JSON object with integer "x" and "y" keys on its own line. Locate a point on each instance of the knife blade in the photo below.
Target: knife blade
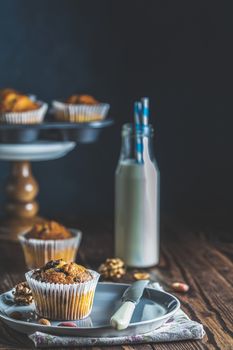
{"x": 132, "y": 295}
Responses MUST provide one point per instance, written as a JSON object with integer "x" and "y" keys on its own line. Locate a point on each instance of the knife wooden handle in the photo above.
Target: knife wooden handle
{"x": 121, "y": 319}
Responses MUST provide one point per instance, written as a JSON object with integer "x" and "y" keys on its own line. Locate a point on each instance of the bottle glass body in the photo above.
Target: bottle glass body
{"x": 137, "y": 200}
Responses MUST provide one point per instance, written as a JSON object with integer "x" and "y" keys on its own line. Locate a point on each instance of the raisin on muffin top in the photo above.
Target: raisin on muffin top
{"x": 59, "y": 271}
{"x": 49, "y": 230}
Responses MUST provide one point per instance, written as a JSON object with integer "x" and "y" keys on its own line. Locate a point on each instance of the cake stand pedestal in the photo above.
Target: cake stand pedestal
{"x": 21, "y": 207}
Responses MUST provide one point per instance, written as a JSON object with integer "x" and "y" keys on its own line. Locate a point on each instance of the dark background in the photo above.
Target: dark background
{"x": 179, "y": 53}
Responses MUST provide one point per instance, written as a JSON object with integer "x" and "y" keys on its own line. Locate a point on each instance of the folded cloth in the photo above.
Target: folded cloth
{"x": 178, "y": 327}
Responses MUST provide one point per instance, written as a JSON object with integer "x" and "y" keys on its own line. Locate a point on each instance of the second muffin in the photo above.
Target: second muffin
{"x": 49, "y": 241}
{"x": 80, "y": 109}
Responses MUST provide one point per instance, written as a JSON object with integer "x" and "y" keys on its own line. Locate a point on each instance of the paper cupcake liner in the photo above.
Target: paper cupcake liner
{"x": 63, "y": 301}
{"x": 38, "y": 252}
{"x": 29, "y": 117}
{"x": 80, "y": 113}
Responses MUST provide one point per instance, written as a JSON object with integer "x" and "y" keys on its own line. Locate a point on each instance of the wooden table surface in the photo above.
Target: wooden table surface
{"x": 200, "y": 258}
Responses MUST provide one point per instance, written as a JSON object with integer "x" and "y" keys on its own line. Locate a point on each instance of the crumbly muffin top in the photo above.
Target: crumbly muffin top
{"x": 81, "y": 99}
{"x": 59, "y": 271}
{"x": 14, "y": 101}
{"x": 49, "y": 230}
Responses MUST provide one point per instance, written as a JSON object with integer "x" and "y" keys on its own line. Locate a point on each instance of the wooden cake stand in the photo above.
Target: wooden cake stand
{"x": 21, "y": 207}
{"x": 23, "y": 143}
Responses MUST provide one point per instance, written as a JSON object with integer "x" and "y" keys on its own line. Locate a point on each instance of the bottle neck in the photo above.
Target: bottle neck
{"x": 137, "y": 146}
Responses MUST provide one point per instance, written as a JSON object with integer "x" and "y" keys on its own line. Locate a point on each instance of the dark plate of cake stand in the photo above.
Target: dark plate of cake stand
{"x": 53, "y": 130}
{"x": 23, "y": 144}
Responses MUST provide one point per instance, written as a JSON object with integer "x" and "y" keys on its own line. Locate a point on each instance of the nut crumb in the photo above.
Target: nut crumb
{"x": 141, "y": 276}
{"x": 44, "y": 322}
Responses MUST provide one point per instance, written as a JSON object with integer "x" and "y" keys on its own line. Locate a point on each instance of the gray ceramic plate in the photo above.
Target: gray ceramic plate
{"x": 155, "y": 308}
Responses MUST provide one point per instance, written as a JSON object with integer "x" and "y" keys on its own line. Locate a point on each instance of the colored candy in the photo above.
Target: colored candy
{"x": 67, "y": 324}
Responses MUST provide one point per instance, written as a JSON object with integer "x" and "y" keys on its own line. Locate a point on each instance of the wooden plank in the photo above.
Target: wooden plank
{"x": 184, "y": 345}
{"x": 221, "y": 263}
{"x": 226, "y": 249}
{"x": 209, "y": 295}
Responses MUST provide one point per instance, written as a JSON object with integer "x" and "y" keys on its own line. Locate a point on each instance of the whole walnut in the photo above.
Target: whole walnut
{"x": 22, "y": 294}
{"x": 113, "y": 268}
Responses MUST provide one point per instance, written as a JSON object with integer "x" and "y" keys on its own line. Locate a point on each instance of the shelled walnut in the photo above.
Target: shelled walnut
{"x": 112, "y": 268}
{"x": 23, "y": 294}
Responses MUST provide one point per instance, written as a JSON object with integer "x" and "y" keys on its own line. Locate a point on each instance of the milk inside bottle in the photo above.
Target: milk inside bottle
{"x": 137, "y": 199}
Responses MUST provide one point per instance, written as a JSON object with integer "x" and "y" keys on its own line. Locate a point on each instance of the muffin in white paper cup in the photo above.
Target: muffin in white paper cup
{"x": 80, "y": 113}
{"x": 58, "y": 301}
{"x": 34, "y": 116}
{"x": 38, "y": 252}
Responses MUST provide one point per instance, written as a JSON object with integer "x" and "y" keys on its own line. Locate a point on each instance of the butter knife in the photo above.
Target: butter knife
{"x": 132, "y": 295}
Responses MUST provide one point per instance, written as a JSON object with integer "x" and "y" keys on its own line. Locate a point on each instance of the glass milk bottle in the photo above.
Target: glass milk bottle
{"x": 137, "y": 200}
